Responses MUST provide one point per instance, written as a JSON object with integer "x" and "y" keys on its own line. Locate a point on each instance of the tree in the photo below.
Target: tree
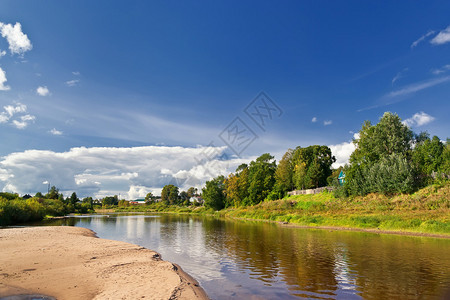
{"x": 284, "y": 173}
{"x": 382, "y": 156}
{"x": 312, "y": 166}
{"x": 213, "y": 193}
{"x": 261, "y": 178}
{"x": 149, "y": 198}
{"x": 53, "y": 193}
{"x": 110, "y": 200}
{"x": 236, "y": 187}
{"x": 184, "y": 198}
{"x": 428, "y": 158}
{"x": 169, "y": 194}
{"x": 73, "y": 198}
{"x": 389, "y": 136}
{"x": 192, "y": 191}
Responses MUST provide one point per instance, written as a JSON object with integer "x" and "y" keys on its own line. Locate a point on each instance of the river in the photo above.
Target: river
{"x": 257, "y": 260}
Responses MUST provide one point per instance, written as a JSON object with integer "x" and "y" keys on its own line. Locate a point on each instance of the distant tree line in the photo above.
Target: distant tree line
{"x": 389, "y": 158}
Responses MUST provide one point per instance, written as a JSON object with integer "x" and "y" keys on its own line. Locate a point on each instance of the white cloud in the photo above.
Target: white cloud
{"x": 327, "y": 122}
{"x": 418, "y": 119}
{"x": 11, "y": 110}
{"x": 76, "y": 73}
{"x": 441, "y": 70}
{"x": 4, "y": 118}
{"x": 442, "y": 37}
{"x": 24, "y": 121}
{"x": 342, "y": 153}
{"x": 314, "y": 120}
{"x": 107, "y": 171}
{"x": 413, "y": 88}
{"x": 42, "y": 91}
{"x": 54, "y": 131}
{"x": 17, "y": 40}
{"x": 421, "y": 39}
{"x": 73, "y": 82}
{"x": 2, "y": 53}
{"x": 3, "y": 79}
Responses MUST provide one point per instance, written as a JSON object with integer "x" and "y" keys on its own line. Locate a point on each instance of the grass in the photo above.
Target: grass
{"x": 426, "y": 211}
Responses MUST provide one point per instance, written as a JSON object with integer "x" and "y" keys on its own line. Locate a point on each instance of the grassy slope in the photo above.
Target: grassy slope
{"x": 426, "y": 211}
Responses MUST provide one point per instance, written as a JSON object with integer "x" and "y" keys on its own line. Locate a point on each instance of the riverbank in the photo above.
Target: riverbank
{"x": 424, "y": 213}
{"x": 72, "y": 263}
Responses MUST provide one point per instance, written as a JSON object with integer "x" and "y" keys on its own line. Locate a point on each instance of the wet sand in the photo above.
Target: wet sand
{"x": 72, "y": 263}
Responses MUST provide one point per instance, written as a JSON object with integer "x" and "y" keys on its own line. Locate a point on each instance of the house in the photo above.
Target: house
{"x": 196, "y": 199}
{"x": 341, "y": 178}
{"x": 138, "y": 201}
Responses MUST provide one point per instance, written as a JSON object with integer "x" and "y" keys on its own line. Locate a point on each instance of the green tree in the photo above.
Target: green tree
{"x": 382, "y": 156}
{"x": 169, "y": 194}
{"x": 312, "y": 166}
{"x": 214, "y": 193}
{"x": 73, "y": 198}
{"x": 389, "y": 136}
{"x": 284, "y": 173}
{"x": 184, "y": 198}
{"x": 261, "y": 178}
{"x": 428, "y": 158}
{"x": 149, "y": 198}
{"x": 110, "y": 200}
{"x": 53, "y": 193}
{"x": 192, "y": 191}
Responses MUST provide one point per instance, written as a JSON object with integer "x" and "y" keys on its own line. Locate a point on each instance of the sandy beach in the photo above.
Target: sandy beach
{"x": 72, "y": 263}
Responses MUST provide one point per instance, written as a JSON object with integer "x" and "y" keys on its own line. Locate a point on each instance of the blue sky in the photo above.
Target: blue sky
{"x": 97, "y": 78}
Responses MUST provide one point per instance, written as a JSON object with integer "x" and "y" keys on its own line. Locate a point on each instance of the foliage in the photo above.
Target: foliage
{"x": 169, "y": 194}
{"x": 261, "y": 178}
{"x": 312, "y": 166}
{"x": 214, "y": 193}
{"x": 236, "y": 187}
{"x": 284, "y": 173}
{"x": 110, "y": 200}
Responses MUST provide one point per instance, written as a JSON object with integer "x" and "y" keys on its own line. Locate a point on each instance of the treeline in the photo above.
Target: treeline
{"x": 15, "y": 209}
{"x": 389, "y": 158}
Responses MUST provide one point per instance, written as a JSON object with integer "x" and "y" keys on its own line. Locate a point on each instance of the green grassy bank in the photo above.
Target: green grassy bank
{"x": 426, "y": 211}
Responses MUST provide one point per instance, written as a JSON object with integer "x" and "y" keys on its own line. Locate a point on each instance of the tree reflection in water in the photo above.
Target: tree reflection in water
{"x": 254, "y": 260}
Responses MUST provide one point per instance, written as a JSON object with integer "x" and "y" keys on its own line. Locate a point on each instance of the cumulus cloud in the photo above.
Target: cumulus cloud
{"x": 97, "y": 172}
{"x": 42, "y": 91}
{"x": 10, "y": 111}
{"x": 418, "y": 119}
{"x": 73, "y": 82}
{"x": 342, "y": 153}
{"x": 23, "y": 121}
{"x": 18, "y": 108}
{"x": 314, "y": 120}
{"x": 17, "y": 40}
{"x": 76, "y": 73}
{"x": 442, "y": 37}
{"x": 3, "y": 79}
{"x": 421, "y": 39}
{"x": 327, "y": 122}
{"x": 2, "y": 53}
{"x": 54, "y": 131}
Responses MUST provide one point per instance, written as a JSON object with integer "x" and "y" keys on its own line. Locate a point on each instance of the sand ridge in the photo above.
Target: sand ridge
{"x": 72, "y": 263}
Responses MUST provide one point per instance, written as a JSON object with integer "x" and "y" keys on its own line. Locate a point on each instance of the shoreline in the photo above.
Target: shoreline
{"x": 68, "y": 262}
{"x": 288, "y": 224}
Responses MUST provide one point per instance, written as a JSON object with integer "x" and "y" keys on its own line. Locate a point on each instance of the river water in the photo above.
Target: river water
{"x": 256, "y": 260}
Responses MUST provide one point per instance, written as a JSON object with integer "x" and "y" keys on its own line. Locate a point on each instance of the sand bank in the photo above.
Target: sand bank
{"x": 72, "y": 263}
